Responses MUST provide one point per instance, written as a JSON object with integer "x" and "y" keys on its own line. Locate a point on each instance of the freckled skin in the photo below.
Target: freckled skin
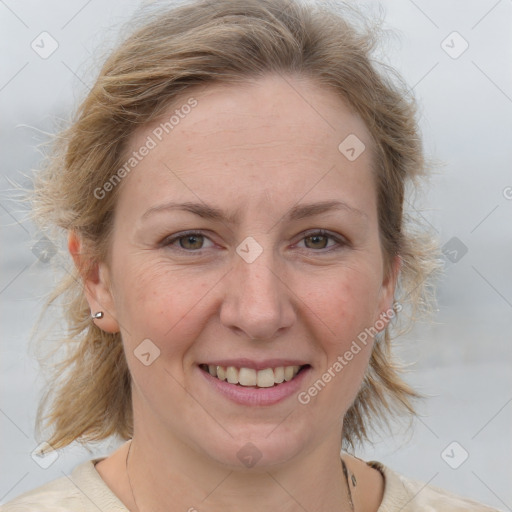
{"x": 262, "y": 149}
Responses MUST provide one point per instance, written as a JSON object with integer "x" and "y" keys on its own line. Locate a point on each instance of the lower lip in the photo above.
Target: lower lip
{"x": 257, "y": 396}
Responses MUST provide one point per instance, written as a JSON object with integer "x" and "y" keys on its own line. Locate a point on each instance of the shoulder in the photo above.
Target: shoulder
{"x": 82, "y": 491}
{"x": 409, "y": 495}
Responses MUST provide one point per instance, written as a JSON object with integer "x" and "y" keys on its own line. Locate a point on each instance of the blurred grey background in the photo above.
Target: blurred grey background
{"x": 456, "y": 56}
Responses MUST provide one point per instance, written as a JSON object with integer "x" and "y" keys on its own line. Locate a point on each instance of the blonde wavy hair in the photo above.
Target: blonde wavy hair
{"x": 171, "y": 51}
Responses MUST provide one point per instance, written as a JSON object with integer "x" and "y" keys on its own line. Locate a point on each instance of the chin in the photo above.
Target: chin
{"x": 255, "y": 448}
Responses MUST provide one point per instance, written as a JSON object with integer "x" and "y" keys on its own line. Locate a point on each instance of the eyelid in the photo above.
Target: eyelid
{"x": 168, "y": 240}
{"x": 340, "y": 240}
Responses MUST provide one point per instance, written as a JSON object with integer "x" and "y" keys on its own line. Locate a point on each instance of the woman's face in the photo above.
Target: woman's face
{"x": 257, "y": 287}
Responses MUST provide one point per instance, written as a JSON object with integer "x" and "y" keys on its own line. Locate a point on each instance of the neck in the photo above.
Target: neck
{"x": 316, "y": 481}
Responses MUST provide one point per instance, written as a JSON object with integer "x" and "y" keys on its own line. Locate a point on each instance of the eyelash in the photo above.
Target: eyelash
{"x": 167, "y": 242}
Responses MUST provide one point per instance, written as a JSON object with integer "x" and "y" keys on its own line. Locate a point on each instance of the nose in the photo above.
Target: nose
{"x": 257, "y": 302}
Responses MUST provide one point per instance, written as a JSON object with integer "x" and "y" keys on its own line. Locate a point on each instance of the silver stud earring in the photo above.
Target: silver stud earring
{"x": 98, "y": 315}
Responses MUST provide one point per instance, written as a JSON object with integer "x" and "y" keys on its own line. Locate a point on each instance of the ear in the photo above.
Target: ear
{"x": 387, "y": 293}
{"x": 96, "y": 280}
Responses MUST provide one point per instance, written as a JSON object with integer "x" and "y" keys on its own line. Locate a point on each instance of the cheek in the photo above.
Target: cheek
{"x": 162, "y": 305}
{"x": 343, "y": 304}
{"x": 342, "y": 309}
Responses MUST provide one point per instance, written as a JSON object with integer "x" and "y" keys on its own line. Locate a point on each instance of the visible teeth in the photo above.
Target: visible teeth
{"x": 279, "y": 374}
{"x": 247, "y": 377}
{"x": 265, "y": 378}
{"x": 221, "y": 373}
{"x": 232, "y": 375}
{"x": 289, "y": 372}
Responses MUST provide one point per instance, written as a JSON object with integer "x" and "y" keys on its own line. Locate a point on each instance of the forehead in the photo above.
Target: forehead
{"x": 270, "y": 138}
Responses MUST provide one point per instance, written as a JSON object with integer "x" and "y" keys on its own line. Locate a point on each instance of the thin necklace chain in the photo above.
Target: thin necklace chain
{"x": 354, "y": 483}
{"x": 345, "y": 474}
{"x": 128, "y": 475}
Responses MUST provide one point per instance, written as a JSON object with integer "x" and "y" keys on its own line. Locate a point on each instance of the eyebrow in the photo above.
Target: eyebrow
{"x": 298, "y": 212}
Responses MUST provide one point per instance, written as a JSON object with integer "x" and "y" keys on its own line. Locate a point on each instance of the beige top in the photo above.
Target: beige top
{"x": 85, "y": 491}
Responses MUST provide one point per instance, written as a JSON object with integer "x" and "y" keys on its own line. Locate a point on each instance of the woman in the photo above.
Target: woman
{"x": 232, "y": 190}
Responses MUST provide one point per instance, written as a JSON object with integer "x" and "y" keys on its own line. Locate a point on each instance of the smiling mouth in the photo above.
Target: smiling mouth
{"x": 249, "y": 377}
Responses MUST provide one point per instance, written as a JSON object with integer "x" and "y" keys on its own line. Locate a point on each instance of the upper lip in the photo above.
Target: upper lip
{"x": 256, "y": 365}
